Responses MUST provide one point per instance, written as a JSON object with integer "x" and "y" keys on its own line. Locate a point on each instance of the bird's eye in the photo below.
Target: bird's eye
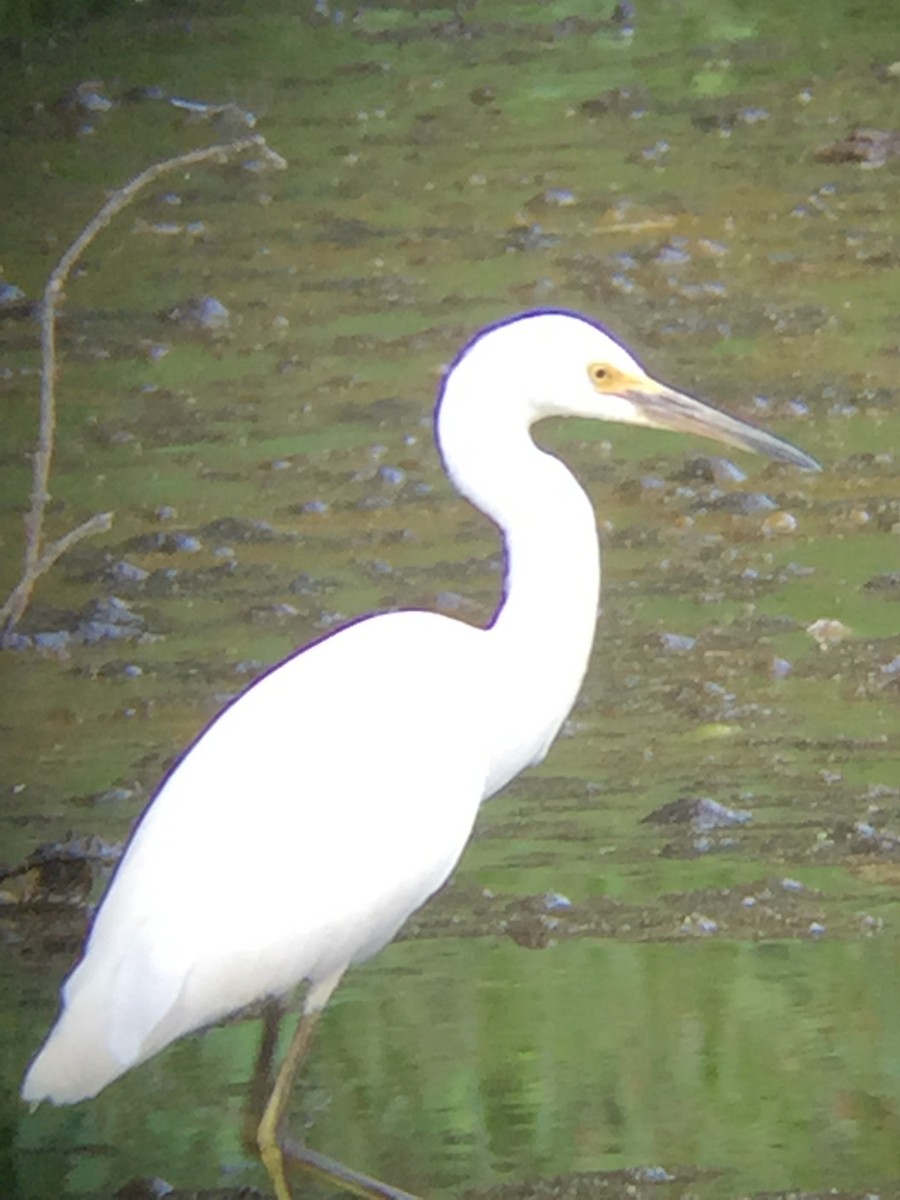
{"x": 600, "y": 374}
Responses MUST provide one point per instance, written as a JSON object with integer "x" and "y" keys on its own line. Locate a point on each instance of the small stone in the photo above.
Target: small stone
{"x": 742, "y": 504}
{"x": 57, "y": 639}
{"x": 10, "y": 294}
{"x": 205, "y": 313}
{"x": 125, "y": 572}
{"x": 392, "y": 475}
{"x": 779, "y": 524}
{"x": 676, "y": 643}
{"x": 828, "y": 631}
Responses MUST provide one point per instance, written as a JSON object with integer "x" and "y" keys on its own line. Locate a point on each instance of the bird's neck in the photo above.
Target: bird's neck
{"x": 544, "y": 627}
{"x": 541, "y": 635}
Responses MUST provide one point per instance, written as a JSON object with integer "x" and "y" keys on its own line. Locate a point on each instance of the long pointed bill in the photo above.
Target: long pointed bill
{"x": 663, "y": 408}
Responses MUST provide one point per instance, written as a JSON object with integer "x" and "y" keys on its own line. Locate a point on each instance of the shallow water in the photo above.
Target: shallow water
{"x": 716, "y": 1004}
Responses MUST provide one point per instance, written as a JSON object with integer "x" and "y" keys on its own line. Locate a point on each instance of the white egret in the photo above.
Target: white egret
{"x": 337, "y": 793}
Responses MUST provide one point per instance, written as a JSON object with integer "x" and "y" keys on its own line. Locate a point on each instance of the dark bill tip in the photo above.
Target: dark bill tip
{"x": 664, "y": 408}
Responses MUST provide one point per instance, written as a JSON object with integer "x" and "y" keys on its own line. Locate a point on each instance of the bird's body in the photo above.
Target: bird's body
{"x": 332, "y": 798}
{"x": 240, "y": 882}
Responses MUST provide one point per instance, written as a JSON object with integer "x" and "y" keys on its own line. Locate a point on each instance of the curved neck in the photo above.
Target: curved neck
{"x": 541, "y": 634}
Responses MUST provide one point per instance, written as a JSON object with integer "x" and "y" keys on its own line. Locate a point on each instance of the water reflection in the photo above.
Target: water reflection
{"x": 446, "y": 1065}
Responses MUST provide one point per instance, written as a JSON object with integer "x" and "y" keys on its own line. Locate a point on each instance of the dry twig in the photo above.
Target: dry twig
{"x": 39, "y": 557}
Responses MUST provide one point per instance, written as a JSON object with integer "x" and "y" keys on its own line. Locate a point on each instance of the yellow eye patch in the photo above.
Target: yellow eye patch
{"x": 607, "y": 378}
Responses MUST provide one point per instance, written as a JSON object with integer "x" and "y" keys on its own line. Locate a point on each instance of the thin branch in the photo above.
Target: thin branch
{"x": 17, "y": 601}
{"x": 38, "y": 558}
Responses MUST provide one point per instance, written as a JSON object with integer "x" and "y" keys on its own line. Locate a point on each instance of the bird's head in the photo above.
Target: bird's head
{"x": 560, "y": 364}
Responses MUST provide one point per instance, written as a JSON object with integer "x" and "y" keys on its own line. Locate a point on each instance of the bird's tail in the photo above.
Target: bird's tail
{"x": 72, "y": 1065}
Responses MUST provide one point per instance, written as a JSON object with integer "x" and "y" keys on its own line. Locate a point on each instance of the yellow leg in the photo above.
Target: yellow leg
{"x": 274, "y": 1149}
{"x": 267, "y": 1134}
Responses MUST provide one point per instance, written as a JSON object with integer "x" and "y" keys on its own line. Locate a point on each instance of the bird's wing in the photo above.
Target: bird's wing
{"x": 302, "y": 828}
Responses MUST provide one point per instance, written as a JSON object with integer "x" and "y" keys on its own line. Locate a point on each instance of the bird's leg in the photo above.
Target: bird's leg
{"x": 274, "y": 1149}
{"x": 261, "y": 1081}
{"x": 270, "y": 1123}
{"x": 335, "y": 1173}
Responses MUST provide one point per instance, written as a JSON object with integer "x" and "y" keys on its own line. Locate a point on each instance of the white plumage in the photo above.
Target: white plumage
{"x": 269, "y": 855}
